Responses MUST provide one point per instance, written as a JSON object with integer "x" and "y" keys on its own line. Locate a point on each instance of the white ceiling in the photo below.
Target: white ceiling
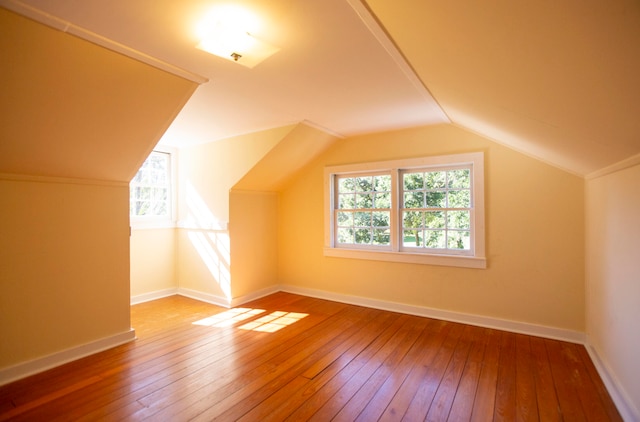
{"x": 556, "y": 79}
{"x": 330, "y": 71}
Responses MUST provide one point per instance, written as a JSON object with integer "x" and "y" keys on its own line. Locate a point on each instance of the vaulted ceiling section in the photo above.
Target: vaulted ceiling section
{"x": 557, "y": 80}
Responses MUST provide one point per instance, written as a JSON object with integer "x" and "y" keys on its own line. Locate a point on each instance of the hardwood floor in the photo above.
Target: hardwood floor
{"x": 294, "y": 358}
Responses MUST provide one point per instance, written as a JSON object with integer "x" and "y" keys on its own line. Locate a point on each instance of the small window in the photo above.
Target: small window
{"x": 150, "y": 190}
{"x": 428, "y": 210}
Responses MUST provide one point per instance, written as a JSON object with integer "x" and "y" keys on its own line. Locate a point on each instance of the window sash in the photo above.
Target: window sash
{"x": 151, "y": 189}
{"x": 397, "y": 251}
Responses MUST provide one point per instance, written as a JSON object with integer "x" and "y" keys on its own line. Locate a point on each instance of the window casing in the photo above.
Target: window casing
{"x": 427, "y": 210}
{"x": 151, "y": 193}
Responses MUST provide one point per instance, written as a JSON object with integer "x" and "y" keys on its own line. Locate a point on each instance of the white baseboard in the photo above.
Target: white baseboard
{"x": 619, "y": 396}
{"x": 481, "y": 321}
{"x": 478, "y": 320}
{"x": 255, "y": 295}
{"x": 158, "y": 294}
{"x": 204, "y": 297}
{"x": 35, "y": 366}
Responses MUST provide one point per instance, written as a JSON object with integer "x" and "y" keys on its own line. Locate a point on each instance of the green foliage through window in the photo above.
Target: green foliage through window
{"x": 436, "y": 209}
{"x": 364, "y": 216}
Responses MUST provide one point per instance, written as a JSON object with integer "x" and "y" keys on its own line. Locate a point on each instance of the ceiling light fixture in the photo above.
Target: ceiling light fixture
{"x": 225, "y": 33}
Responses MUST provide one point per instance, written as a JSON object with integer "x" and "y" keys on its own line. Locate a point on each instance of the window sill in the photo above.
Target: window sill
{"x": 409, "y": 258}
{"x": 152, "y": 224}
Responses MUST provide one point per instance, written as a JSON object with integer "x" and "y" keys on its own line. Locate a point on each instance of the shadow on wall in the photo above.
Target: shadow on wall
{"x": 210, "y": 238}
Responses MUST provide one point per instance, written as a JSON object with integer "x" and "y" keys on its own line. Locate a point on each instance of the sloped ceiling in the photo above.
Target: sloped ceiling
{"x": 72, "y": 109}
{"x": 290, "y": 155}
{"x": 556, "y": 79}
{"x": 330, "y": 70}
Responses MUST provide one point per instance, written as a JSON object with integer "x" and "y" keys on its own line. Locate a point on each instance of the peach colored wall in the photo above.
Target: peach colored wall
{"x": 253, "y": 235}
{"x": 64, "y": 257}
{"x": 209, "y": 171}
{"x": 70, "y": 109}
{"x": 535, "y": 236}
{"x": 153, "y": 260}
{"x": 613, "y": 276}
{"x": 207, "y": 174}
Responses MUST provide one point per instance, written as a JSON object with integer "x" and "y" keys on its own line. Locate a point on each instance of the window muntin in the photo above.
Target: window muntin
{"x": 436, "y": 209}
{"x": 150, "y": 189}
{"x": 363, "y": 215}
{"x": 439, "y": 198}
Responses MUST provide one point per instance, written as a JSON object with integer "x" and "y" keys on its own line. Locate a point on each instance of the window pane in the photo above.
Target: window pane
{"x": 363, "y": 236}
{"x": 412, "y": 238}
{"x": 141, "y": 207}
{"x": 347, "y": 201}
{"x": 413, "y": 200}
{"x": 346, "y": 185}
{"x": 434, "y": 219}
{"x": 412, "y": 219}
{"x": 362, "y": 219}
{"x": 381, "y": 219}
{"x": 435, "y": 239}
{"x": 435, "y": 199}
{"x": 382, "y": 183}
{"x": 413, "y": 181}
{"x": 459, "y": 240}
{"x": 364, "y": 184}
{"x": 144, "y": 193}
{"x": 381, "y": 237}
{"x": 459, "y": 179}
{"x": 435, "y": 179}
{"x": 345, "y": 235}
{"x": 159, "y": 208}
{"x": 364, "y": 200}
{"x": 160, "y": 194}
{"x": 382, "y": 200}
{"x": 459, "y": 199}
{"x": 345, "y": 219}
{"x": 150, "y": 188}
{"x": 458, "y": 220}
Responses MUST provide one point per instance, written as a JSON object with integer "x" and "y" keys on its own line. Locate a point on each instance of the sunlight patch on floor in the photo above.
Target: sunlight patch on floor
{"x": 269, "y": 323}
{"x": 230, "y": 317}
{"x": 274, "y": 321}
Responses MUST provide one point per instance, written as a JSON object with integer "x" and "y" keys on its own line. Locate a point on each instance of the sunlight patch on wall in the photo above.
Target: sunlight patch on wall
{"x": 210, "y": 239}
{"x": 213, "y": 249}
{"x": 199, "y": 216}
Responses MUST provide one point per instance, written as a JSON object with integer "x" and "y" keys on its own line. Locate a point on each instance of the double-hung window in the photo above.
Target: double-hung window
{"x": 427, "y": 210}
{"x": 150, "y": 193}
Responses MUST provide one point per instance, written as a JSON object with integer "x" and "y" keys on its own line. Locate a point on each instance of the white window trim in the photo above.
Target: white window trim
{"x": 477, "y": 260}
{"x": 155, "y": 222}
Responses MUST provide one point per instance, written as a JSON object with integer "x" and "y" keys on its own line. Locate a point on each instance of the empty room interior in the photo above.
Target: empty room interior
{"x": 467, "y": 165}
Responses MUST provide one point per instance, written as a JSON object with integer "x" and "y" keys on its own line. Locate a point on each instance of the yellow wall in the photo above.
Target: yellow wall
{"x": 153, "y": 260}
{"x": 209, "y": 171}
{"x": 64, "y": 256}
{"x": 613, "y": 276}
{"x": 535, "y": 236}
{"x": 70, "y": 108}
{"x": 76, "y": 122}
{"x": 207, "y": 174}
{"x": 253, "y": 236}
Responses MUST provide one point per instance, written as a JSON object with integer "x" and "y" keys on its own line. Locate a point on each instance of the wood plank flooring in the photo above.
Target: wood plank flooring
{"x": 293, "y": 358}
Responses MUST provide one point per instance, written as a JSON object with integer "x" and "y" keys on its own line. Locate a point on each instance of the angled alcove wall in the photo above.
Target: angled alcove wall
{"x": 76, "y": 122}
